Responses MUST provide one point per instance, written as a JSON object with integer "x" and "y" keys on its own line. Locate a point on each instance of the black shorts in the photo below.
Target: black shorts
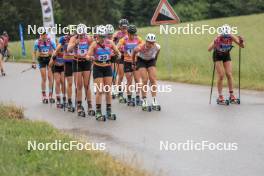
{"x": 43, "y": 62}
{"x": 81, "y": 65}
{"x": 2, "y": 52}
{"x": 58, "y": 69}
{"x": 113, "y": 59}
{"x": 141, "y": 63}
{"x": 68, "y": 69}
{"x": 121, "y": 60}
{"x": 101, "y": 72}
{"x": 217, "y": 56}
{"x": 128, "y": 67}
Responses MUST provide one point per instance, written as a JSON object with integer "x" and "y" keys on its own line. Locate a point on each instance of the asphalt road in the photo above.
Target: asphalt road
{"x": 135, "y": 137}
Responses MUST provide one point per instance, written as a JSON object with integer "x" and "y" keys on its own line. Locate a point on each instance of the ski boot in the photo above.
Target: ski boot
{"x": 70, "y": 107}
{"x": 145, "y": 106}
{"x": 138, "y": 101}
{"x": 155, "y": 106}
{"x": 131, "y": 102}
{"x": 110, "y": 115}
{"x": 45, "y": 100}
{"x": 91, "y": 112}
{"x": 221, "y": 101}
{"x": 80, "y": 111}
{"x": 59, "y": 105}
{"x": 99, "y": 116}
{"x": 122, "y": 99}
{"x": 114, "y": 94}
{"x": 51, "y": 100}
{"x": 3, "y": 73}
{"x": 234, "y": 100}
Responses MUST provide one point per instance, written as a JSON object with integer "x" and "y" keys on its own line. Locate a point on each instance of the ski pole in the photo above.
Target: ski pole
{"x": 52, "y": 73}
{"x": 212, "y": 85}
{"x": 23, "y": 71}
{"x": 239, "y": 72}
{"x": 64, "y": 87}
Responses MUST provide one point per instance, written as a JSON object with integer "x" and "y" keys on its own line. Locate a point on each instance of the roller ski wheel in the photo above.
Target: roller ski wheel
{"x": 71, "y": 108}
{"x": 156, "y": 107}
{"x": 146, "y": 108}
{"x": 91, "y": 112}
{"x": 122, "y": 100}
{"x": 110, "y": 116}
{"x": 81, "y": 111}
{"x": 222, "y": 102}
{"x": 59, "y": 105}
{"x": 234, "y": 100}
{"x": 45, "y": 100}
{"x": 51, "y": 100}
{"x": 100, "y": 117}
{"x": 131, "y": 103}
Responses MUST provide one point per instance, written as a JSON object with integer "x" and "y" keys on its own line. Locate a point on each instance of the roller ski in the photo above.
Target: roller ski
{"x": 59, "y": 105}
{"x": 155, "y": 106}
{"x": 70, "y": 107}
{"x": 234, "y": 100}
{"x": 3, "y": 73}
{"x": 222, "y": 101}
{"x": 131, "y": 102}
{"x": 114, "y": 94}
{"x": 45, "y": 100}
{"x": 80, "y": 111}
{"x": 99, "y": 116}
{"x": 110, "y": 116}
{"x": 122, "y": 99}
{"x": 51, "y": 100}
{"x": 145, "y": 106}
{"x": 91, "y": 112}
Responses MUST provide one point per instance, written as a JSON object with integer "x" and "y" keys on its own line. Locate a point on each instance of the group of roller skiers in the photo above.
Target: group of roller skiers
{"x": 107, "y": 56}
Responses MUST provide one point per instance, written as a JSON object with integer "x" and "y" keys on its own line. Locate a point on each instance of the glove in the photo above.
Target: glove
{"x": 34, "y": 66}
{"x": 241, "y": 41}
{"x": 133, "y": 66}
{"x": 54, "y": 58}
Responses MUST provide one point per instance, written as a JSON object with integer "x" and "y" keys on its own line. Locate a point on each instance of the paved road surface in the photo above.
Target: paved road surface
{"x": 185, "y": 116}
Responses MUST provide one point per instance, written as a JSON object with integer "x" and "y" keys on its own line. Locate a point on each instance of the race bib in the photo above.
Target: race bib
{"x": 103, "y": 58}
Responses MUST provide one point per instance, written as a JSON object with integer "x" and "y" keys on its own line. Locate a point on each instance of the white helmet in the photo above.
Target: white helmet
{"x": 151, "y": 37}
{"x": 102, "y": 30}
{"x": 81, "y": 29}
{"x": 110, "y": 29}
{"x": 225, "y": 30}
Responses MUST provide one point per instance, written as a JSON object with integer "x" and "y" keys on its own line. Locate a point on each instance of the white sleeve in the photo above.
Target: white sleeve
{"x": 158, "y": 46}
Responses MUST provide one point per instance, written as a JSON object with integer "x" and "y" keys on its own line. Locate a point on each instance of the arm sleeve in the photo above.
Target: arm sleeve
{"x": 61, "y": 41}
{"x": 35, "y": 47}
{"x": 53, "y": 45}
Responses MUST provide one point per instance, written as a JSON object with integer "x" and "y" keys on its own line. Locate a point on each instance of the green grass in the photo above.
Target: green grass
{"x": 185, "y": 58}
{"x": 15, "y": 159}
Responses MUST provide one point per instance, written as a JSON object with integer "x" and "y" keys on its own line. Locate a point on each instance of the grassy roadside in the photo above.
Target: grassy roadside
{"x": 184, "y": 58}
{"x": 15, "y": 159}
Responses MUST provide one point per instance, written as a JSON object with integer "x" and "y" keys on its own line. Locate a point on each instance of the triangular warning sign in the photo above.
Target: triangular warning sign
{"x": 164, "y": 14}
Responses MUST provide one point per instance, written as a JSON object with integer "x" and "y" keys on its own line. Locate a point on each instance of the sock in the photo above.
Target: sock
{"x": 129, "y": 97}
{"x": 79, "y": 103}
{"x": 69, "y": 101}
{"x": 64, "y": 99}
{"x": 90, "y": 106}
{"x": 231, "y": 92}
{"x": 108, "y": 108}
{"x": 98, "y": 107}
{"x": 43, "y": 93}
{"x": 58, "y": 98}
{"x": 137, "y": 97}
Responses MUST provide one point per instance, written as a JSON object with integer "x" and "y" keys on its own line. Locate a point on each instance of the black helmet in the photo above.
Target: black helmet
{"x": 132, "y": 29}
{"x": 123, "y": 22}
